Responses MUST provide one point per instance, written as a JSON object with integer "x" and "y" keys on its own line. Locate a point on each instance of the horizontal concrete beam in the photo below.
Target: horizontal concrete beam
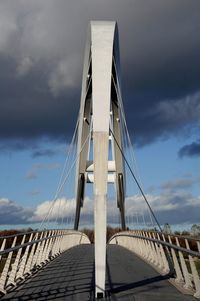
{"x": 111, "y": 166}
{"x": 110, "y": 178}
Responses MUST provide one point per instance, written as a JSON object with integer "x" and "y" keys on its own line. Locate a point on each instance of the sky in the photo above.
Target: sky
{"x": 41, "y": 59}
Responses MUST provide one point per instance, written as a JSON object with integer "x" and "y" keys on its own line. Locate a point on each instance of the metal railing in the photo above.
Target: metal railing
{"x": 22, "y": 254}
{"x": 169, "y": 254}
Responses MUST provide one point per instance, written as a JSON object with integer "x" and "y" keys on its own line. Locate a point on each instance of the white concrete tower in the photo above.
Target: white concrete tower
{"x": 100, "y": 114}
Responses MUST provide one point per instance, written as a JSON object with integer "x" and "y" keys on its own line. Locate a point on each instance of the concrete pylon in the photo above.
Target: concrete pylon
{"x": 100, "y": 112}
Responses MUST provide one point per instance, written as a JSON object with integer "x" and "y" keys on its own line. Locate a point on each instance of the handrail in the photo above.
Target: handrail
{"x": 36, "y": 241}
{"x": 164, "y": 243}
{"x": 20, "y": 234}
{"x": 23, "y": 259}
{"x": 30, "y": 232}
{"x": 172, "y": 234}
{"x": 157, "y": 249}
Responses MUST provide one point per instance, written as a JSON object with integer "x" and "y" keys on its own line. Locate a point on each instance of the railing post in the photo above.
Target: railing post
{"x": 194, "y": 273}
{"x": 158, "y": 253}
{"x": 146, "y": 247}
{"x": 179, "y": 275}
{"x": 51, "y": 244}
{"x": 46, "y": 248}
{"x": 188, "y": 282}
{"x": 56, "y": 243}
{"x": 151, "y": 252}
{"x": 41, "y": 249}
{"x": 166, "y": 268}
{"x": 60, "y": 241}
{"x": 31, "y": 256}
{"x": 13, "y": 272}
{"x": 20, "y": 272}
{"x": 154, "y": 253}
{"x": 37, "y": 252}
{"x": 5, "y": 271}
{"x": 3, "y": 246}
{"x": 198, "y": 246}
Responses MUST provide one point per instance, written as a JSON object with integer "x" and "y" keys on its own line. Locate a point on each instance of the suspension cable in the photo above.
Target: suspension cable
{"x": 136, "y": 181}
{"x": 64, "y": 181}
{"x": 132, "y": 155}
{"x": 69, "y": 150}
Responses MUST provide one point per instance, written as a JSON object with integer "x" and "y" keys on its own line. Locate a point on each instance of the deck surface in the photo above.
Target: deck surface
{"x": 71, "y": 277}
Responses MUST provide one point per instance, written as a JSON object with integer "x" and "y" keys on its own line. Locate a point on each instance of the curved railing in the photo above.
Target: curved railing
{"x": 23, "y": 254}
{"x": 169, "y": 254}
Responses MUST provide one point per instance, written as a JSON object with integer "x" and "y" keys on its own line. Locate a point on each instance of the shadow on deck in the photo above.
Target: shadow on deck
{"x": 71, "y": 277}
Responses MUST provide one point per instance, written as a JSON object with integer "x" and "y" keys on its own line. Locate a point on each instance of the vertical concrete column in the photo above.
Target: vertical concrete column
{"x": 102, "y": 39}
{"x": 100, "y": 191}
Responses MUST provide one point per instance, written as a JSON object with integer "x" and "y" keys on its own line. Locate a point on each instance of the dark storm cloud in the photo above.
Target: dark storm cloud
{"x": 11, "y": 213}
{"x": 190, "y": 150}
{"x": 41, "y": 54}
{"x": 28, "y": 109}
{"x": 33, "y": 146}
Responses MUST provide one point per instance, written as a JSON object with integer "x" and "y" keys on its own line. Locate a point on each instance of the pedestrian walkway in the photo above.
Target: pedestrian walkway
{"x": 71, "y": 277}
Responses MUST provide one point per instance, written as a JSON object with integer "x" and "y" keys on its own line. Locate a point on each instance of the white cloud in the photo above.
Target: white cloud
{"x": 163, "y": 203}
{"x": 173, "y": 208}
{"x": 157, "y": 202}
{"x": 60, "y": 208}
{"x": 62, "y": 77}
{"x": 180, "y": 110}
{"x": 24, "y": 66}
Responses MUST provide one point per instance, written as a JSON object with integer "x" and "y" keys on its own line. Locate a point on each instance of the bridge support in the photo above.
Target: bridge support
{"x": 100, "y": 115}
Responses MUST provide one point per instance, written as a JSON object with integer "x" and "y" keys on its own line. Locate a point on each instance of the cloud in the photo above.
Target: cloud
{"x": 62, "y": 208}
{"x": 182, "y": 183}
{"x": 41, "y": 58}
{"x": 33, "y": 146}
{"x": 190, "y": 150}
{"x": 171, "y": 116}
{"x": 58, "y": 209}
{"x": 173, "y": 207}
{"x": 36, "y": 168}
{"x": 44, "y": 153}
{"x": 61, "y": 78}
{"x": 7, "y": 145}
{"x": 24, "y": 66}
{"x": 11, "y": 213}
{"x": 180, "y": 111}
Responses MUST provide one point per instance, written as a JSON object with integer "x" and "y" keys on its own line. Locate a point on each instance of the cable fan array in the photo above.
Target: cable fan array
{"x": 139, "y": 213}
{"x": 61, "y": 210}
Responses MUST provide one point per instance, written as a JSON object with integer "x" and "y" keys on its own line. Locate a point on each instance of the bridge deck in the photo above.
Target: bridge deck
{"x": 71, "y": 277}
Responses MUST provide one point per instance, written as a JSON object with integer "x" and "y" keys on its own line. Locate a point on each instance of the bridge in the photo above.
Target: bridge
{"x": 133, "y": 264}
